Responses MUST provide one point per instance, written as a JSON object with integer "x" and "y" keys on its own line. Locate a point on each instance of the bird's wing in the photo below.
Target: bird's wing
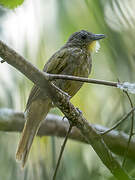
{"x": 35, "y": 92}
{"x": 55, "y": 65}
{"x": 57, "y": 62}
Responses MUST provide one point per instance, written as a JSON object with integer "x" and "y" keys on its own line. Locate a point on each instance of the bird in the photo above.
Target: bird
{"x": 73, "y": 58}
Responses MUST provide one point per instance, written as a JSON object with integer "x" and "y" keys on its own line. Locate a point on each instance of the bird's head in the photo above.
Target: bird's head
{"x": 85, "y": 39}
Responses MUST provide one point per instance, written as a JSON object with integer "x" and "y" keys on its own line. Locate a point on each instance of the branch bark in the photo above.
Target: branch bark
{"x": 81, "y": 79}
{"x": 63, "y": 103}
{"x": 11, "y": 121}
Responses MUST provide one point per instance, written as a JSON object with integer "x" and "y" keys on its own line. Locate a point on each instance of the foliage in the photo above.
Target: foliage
{"x": 11, "y": 4}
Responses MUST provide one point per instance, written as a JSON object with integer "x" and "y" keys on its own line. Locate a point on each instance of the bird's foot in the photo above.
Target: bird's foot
{"x": 80, "y": 112}
{"x": 64, "y": 118}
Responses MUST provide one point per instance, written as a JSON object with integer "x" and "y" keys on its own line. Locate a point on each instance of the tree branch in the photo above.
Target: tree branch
{"x": 63, "y": 103}
{"x": 11, "y": 121}
{"x": 81, "y": 79}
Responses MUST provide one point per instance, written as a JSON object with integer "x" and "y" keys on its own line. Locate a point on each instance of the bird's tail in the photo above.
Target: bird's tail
{"x": 34, "y": 116}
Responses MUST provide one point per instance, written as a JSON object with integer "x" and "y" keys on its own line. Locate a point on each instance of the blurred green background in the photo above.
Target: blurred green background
{"x": 36, "y": 30}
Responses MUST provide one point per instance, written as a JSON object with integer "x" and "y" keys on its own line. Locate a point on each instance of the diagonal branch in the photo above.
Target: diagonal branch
{"x": 63, "y": 103}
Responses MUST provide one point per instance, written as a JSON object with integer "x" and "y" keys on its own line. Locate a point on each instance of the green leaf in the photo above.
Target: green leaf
{"x": 11, "y": 4}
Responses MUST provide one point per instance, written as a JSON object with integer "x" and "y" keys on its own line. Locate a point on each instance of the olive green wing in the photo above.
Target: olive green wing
{"x": 55, "y": 65}
{"x": 35, "y": 92}
{"x": 57, "y": 62}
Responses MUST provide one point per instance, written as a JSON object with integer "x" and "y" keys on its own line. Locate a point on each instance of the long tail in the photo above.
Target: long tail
{"x": 34, "y": 116}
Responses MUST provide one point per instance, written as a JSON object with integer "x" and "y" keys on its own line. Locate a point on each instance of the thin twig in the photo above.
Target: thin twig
{"x": 53, "y": 147}
{"x": 119, "y": 122}
{"x": 62, "y": 150}
{"x": 81, "y": 79}
{"x": 131, "y": 131}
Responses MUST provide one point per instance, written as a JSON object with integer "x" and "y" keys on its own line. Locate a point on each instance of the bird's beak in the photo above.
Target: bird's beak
{"x": 95, "y": 37}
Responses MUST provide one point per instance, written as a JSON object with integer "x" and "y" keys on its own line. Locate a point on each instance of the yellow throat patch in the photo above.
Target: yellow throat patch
{"x": 94, "y": 46}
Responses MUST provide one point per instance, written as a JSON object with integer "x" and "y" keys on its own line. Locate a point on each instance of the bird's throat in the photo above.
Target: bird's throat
{"x": 94, "y": 46}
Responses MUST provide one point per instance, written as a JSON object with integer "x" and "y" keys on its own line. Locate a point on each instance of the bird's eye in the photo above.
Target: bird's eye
{"x": 83, "y": 36}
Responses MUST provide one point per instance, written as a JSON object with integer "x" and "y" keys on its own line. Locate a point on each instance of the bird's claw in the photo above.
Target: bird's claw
{"x": 64, "y": 118}
{"x": 80, "y": 112}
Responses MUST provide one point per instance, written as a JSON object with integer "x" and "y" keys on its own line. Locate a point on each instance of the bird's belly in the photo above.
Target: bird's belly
{"x": 71, "y": 87}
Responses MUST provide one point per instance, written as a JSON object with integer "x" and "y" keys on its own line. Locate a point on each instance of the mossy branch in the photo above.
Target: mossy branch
{"x": 12, "y": 121}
